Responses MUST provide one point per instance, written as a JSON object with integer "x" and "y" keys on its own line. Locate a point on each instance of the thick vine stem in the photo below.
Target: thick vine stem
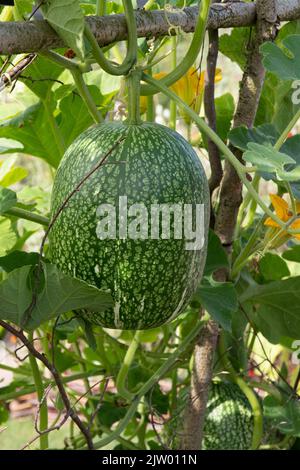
{"x": 123, "y": 372}
{"x": 131, "y": 55}
{"x": 27, "y": 215}
{"x": 133, "y": 88}
{"x": 201, "y": 378}
{"x": 248, "y": 392}
{"x": 192, "y": 53}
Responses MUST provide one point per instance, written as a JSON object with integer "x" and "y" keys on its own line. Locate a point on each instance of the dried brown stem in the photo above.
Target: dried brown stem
{"x": 70, "y": 411}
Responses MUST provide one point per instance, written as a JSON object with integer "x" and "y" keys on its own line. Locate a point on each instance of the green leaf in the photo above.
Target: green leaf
{"x": 66, "y": 18}
{"x": 224, "y": 111}
{"x": 24, "y": 7}
{"x": 265, "y": 158}
{"x": 40, "y": 76}
{"x": 90, "y": 337}
{"x": 8, "y": 237}
{"x": 75, "y": 116}
{"x": 276, "y": 308}
{"x": 7, "y": 144}
{"x": 216, "y": 256}
{"x": 276, "y": 104}
{"x": 4, "y": 414}
{"x": 285, "y": 417}
{"x": 59, "y": 294}
{"x": 264, "y": 134}
{"x": 234, "y": 45}
{"x": 17, "y": 259}
{"x": 220, "y": 300}
{"x": 293, "y": 254}
{"x": 8, "y": 199}
{"x": 10, "y": 174}
{"x": 269, "y": 160}
{"x": 110, "y": 413}
{"x": 283, "y": 62}
{"x": 31, "y": 128}
{"x": 273, "y": 267}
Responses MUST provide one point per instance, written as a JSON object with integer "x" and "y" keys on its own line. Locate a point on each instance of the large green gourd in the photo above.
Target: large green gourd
{"x": 229, "y": 419}
{"x": 228, "y": 423}
{"x": 151, "y": 280}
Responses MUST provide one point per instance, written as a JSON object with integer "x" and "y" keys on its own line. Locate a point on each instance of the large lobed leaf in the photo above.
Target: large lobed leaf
{"x": 67, "y": 19}
{"x": 275, "y": 308}
{"x": 58, "y": 294}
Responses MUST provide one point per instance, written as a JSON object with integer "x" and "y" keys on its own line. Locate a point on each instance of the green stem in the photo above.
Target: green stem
{"x": 164, "y": 368}
{"x": 269, "y": 388}
{"x": 14, "y": 370}
{"x": 27, "y": 215}
{"x": 228, "y": 155}
{"x": 246, "y": 201}
{"x": 150, "y": 114}
{"x": 250, "y": 248}
{"x": 65, "y": 380}
{"x": 58, "y": 138}
{"x": 123, "y": 372}
{"x": 101, "y": 7}
{"x": 7, "y": 14}
{"x": 248, "y": 392}
{"x": 173, "y": 106}
{"x": 86, "y": 96}
{"x": 79, "y": 82}
{"x": 133, "y": 88}
{"x": 287, "y": 130}
{"x": 149, "y": 4}
{"x": 102, "y": 354}
{"x": 131, "y": 55}
{"x": 43, "y": 412}
{"x": 290, "y": 193}
{"x": 191, "y": 54}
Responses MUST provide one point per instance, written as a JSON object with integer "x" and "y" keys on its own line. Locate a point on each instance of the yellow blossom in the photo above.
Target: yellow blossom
{"x": 189, "y": 88}
{"x": 283, "y": 211}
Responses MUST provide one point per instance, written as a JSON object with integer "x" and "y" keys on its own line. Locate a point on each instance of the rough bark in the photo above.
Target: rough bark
{"x": 200, "y": 384}
{"x": 34, "y": 36}
{"x": 249, "y": 95}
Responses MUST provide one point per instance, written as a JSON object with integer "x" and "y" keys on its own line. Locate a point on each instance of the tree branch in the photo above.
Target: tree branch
{"x": 250, "y": 91}
{"x": 201, "y": 379}
{"x": 37, "y": 35}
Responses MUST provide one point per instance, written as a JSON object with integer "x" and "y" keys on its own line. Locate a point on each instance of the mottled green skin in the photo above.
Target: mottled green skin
{"x": 229, "y": 421}
{"x": 151, "y": 281}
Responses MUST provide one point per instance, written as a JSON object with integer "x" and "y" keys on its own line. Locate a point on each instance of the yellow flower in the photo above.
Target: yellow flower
{"x": 189, "y": 88}
{"x": 284, "y": 213}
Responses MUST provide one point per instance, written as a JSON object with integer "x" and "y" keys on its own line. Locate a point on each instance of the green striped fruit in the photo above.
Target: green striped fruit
{"x": 151, "y": 280}
{"x": 229, "y": 420}
{"x": 228, "y": 423}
